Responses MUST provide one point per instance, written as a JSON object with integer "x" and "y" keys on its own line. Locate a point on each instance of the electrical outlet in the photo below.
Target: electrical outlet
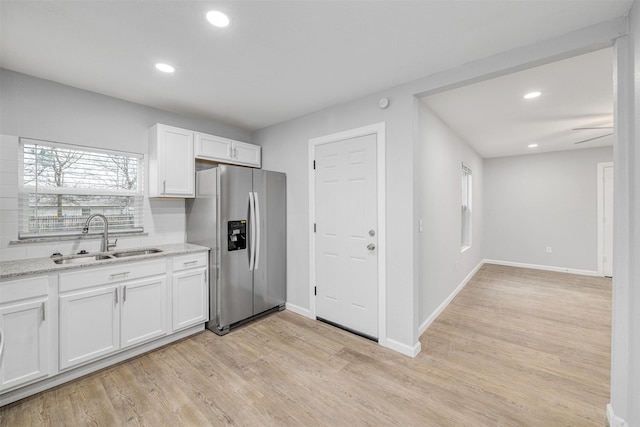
{"x": 549, "y": 250}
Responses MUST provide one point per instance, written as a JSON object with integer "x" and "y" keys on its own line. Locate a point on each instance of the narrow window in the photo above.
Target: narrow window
{"x": 465, "y": 229}
{"x": 61, "y": 185}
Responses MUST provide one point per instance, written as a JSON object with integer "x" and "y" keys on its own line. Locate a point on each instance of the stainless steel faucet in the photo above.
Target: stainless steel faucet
{"x": 105, "y": 245}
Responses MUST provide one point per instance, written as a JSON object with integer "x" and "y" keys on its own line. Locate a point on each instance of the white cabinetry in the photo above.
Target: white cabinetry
{"x": 190, "y": 290}
{"x": 61, "y": 326}
{"x": 171, "y": 165}
{"x": 219, "y": 149}
{"x": 24, "y": 321}
{"x": 246, "y": 154}
{"x": 89, "y": 325}
{"x": 104, "y": 310}
{"x": 143, "y": 310}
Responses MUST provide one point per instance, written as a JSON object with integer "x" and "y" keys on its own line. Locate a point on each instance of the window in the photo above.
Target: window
{"x": 61, "y": 185}
{"x": 466, "y": 208}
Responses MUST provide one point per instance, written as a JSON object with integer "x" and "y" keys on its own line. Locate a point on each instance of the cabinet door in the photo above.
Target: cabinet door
{"x": 26, "y": 350}
{"x": 143, "y": 310}
{"x": 246, "y": 154}
{"x": 210, "y": 147}
{"x": 89, "y": 325}
{"x": 175, "y": 166}
{"x": 190, "y": 298}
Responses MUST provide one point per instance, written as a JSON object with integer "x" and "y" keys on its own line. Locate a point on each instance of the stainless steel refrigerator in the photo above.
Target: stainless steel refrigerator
{"x": 240, "y": 214}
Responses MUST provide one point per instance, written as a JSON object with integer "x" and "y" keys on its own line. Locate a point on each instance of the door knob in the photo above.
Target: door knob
{"x": 371, "y": 246}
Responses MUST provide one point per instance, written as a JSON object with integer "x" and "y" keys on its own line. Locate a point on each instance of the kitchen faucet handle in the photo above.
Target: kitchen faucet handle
{"x": 112, "y": 245}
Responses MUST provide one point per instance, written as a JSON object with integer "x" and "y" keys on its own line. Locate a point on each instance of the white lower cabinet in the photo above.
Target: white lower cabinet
{"x": 189, "y": 298}
{"x": 190, "y": 291}
{"x": 26, "y": 332}
{"x": 80, "y": 318}
{"x": 96, "y": 321}
{"x": 143, "y": 311}
{"x": 89, "y": 325}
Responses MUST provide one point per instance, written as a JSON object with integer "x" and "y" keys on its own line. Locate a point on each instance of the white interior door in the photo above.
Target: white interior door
{"x": 608, "y": 222}
{"x": 346, "y": 258}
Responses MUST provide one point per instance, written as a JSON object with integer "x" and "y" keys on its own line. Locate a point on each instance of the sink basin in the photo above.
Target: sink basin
{"x": 84, "y": 258}
{"x": 80, "y": 259}
{"x": 135, "y": 253}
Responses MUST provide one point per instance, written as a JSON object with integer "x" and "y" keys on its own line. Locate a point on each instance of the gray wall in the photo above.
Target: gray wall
{"x": 36, "y": 108}
{"x": 541, "y": 200}
{"x": 439, "y": 153}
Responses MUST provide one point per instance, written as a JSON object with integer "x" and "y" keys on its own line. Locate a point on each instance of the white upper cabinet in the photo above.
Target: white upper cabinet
{"x": 172, "y": 152}
{"x": 246, "y": 154}
{"x": 212, "y": 147}
{"x": 225, "y": 150}
{"x": 171, "y": 165}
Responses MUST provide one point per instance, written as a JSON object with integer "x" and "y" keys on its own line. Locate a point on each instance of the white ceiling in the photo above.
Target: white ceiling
{"x": 497, "y": 121}
{"x": 278, "y": 59}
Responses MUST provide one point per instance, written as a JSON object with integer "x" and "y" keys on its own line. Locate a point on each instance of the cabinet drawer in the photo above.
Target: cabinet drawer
{"x": 190, "y": 261}
{"x": 15, "y": 290}
{"x": 111, "y": 274}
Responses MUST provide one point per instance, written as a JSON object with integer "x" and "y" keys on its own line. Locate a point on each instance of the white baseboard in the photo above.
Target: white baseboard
{"x": 403, "y": 348}
{"x": 385, "y": 342}
{"x": 613, "y": 420}
{"x": 542, "y": 267}
{"x": 445, "y": 303}
{"x": 299, "y": 310}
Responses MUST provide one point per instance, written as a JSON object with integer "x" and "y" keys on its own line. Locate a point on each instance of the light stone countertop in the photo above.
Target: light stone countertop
{"x": 34, "y": 266}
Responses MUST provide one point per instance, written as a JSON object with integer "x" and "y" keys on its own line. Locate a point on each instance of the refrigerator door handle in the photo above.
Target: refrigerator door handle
{"x": 257, "y": 239}
{"x": 252, "y": 231}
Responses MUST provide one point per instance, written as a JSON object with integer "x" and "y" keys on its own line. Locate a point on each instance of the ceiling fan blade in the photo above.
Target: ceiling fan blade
{"x": 595, "y": 127}
{"x": 591, "y": 139}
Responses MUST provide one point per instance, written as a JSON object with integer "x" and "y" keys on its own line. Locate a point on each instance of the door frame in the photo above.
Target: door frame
{"x": 377, "y": 129}
{"x": 600, "y": 216}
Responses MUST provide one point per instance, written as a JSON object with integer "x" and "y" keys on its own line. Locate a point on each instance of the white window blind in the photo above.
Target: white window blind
{"x": 62, "y": 185}
{"x": 465, "y": 229}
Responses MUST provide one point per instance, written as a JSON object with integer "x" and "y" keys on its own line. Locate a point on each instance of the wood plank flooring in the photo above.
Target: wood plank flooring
{"x": 516, "y": 347}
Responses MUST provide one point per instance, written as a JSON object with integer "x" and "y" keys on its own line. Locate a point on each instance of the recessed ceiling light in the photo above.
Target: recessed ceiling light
{"x": 218, "y": 19}
{"x": 165, "y": 68}
{"x": 532, "y": 145}
{"x": 532, "y": 95}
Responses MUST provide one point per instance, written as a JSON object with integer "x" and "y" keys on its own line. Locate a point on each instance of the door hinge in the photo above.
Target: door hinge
{"x": 314, "y": 227}
{"x": 315, "y": 290}
{"x": 314, "y": 165}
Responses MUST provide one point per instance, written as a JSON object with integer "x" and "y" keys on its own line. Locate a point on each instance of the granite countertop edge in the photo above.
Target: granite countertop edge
{"x": 36, "y": 266}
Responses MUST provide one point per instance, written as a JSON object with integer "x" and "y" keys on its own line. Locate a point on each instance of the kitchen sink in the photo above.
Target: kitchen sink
{"x": 135, "y": 252}
{"x": 83, "y": 258}
{"x": 79, "y": 259}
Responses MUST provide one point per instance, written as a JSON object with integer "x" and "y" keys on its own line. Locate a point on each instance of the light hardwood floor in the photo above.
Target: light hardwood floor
{"x": 516, "y": 347}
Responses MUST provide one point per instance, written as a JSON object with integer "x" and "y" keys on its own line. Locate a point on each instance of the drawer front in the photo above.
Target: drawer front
{"x": 183, "y": 262}
{"x": 15, "y": 290}
{"x": 112, "y": 274}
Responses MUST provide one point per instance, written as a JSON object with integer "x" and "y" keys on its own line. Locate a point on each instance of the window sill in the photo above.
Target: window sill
{"x": 69, "y": 238}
